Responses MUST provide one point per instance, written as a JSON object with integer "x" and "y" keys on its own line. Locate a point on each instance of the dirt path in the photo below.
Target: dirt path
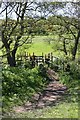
{"x": 50, "y": 95}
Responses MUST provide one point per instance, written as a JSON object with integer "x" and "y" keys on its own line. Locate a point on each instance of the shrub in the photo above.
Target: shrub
{"x": 75, "y": 70}
{"x": 21, "y": 83}
{"x": 28, "y": 64}
{"x": 65, "y": 78}
{"x": 71, "y": 78}
{"x": 42, "y": 70}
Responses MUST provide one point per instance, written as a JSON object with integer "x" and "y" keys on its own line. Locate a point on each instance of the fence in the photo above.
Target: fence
{"x": 34, "y": 60}
{"x": 37, "y": 60}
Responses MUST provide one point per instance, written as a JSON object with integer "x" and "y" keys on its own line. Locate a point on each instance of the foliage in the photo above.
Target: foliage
{"x": 71, "y": 78}
{"x": 28, "y": 64}
{"x": 43, "y": 70}
{"x": 20, "y": 84}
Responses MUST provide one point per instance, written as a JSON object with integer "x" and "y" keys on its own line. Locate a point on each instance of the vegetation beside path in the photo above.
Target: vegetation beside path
{"x": 61, "y": 110}
{"x": 38, "y": 28}
{"x": 20, "y": 84}
{"x": 32, "y": 81}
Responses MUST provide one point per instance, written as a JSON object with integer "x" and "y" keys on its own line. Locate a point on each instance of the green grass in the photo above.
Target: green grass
{"x": 38, "y": 46}
{"x": 63, "y": 110}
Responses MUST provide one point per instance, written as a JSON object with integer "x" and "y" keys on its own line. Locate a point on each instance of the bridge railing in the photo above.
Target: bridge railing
{"x": 37, "y": 60}
{"x": 48, "y": 59}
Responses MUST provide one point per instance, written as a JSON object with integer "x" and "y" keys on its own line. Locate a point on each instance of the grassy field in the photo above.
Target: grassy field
{"x": 40, "y": 45}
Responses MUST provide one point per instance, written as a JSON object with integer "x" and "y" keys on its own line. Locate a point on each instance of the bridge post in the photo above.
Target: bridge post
{"x": 33, "y": 60}
{"x": 42, "y": 58}
{"x": 51, "y": 57}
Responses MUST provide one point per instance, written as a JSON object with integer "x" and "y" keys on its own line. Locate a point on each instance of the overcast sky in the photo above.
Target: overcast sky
{"x": 67, "y": 8}
{"x": 40, "y": 0}
{"x": 60, "y": 0}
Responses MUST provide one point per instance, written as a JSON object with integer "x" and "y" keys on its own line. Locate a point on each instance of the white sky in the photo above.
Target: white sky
{"x": 40, "y": 0}
{"x": 68, "y": 7}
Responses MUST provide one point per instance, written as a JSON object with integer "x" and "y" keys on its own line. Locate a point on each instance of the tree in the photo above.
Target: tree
{"x": 32, "y": 18}
{"x": 74, "y": 24}
{"x": 13, "y": 31}
{"x": 10, "y": 38}
{"x": 69, "y": 25}
{"x": 73, "y": 27}
{"x": 16, "y": 32}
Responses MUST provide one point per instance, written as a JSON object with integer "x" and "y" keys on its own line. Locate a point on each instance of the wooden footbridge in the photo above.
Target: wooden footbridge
{"x": 37, "y": 60}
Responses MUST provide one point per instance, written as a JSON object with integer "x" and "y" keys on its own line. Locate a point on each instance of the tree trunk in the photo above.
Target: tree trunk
{"x": 64, "y": 47}
{"x": 11, "y": 60}
{"x": 75, "y": 46}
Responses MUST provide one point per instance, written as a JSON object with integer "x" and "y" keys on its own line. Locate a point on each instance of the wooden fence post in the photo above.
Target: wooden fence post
{"x": 51, "y": 57}
{"x": 45, "y": 57}
{"x": 42, "y": 57}
{"x": 33, "y": 60}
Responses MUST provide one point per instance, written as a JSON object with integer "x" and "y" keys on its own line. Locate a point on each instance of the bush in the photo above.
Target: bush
{"x": 42, "y": 70}
{"x": 20, "y": 83}
{"x": 71, "y": 78}
{"x": 28, "y": 64}
{"x": 75, "y": 70}
{"x": 57, "y": 65}
{"x": 65, "y": 78}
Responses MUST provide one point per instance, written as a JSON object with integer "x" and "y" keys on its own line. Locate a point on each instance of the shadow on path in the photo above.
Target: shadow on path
{"x": 51, "y": 95}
